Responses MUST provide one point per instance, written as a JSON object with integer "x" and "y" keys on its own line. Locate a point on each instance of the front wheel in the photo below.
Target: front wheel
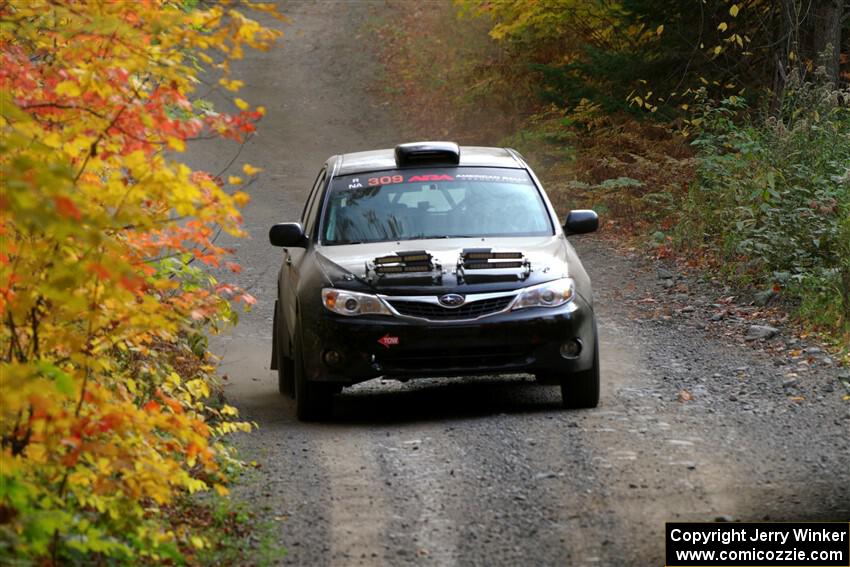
{"x": 313, "y": 400}
{"x": 581, "y": 389}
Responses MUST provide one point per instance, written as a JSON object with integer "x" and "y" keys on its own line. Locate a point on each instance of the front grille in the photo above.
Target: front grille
{"x": 456, "y": 359}
{"x": 471, "y": 310}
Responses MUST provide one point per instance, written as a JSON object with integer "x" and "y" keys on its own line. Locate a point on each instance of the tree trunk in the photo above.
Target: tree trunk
{"x": 786, "y": 30}
{"x": 826, "y": 35}
{"x": 845, "y": 297}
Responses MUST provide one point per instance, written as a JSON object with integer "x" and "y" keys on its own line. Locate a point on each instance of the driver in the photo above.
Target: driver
{"x": 490, "y": 210}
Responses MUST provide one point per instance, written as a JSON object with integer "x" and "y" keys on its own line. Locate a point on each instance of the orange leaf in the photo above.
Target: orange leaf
{"x": 132, "y": 283}
{"x": 247, "y": 298}
{"x": 72, "y": 442}
{"x": 100, "y": 270}
{"x": 175, "y": 406}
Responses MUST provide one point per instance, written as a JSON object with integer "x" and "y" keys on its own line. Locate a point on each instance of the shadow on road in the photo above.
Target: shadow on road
{"x": 380, "y": 400}
{"x": 438, "y": 399}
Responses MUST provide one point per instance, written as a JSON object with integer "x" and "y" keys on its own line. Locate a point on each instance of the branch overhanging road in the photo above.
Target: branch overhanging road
{"x": 490, "y": 471}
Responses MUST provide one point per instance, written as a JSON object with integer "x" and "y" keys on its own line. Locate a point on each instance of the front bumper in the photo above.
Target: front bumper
{"x": 522, "y": 341}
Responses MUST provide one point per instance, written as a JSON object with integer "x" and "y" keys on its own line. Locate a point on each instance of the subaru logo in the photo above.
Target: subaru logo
{"x": 451, "y": 300}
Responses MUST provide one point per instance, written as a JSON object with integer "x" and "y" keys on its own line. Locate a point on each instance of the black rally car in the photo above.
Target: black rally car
{"x": 431, "y": 260}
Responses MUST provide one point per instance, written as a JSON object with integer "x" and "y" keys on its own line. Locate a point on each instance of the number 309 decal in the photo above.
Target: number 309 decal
{"x": 385, "y": 180}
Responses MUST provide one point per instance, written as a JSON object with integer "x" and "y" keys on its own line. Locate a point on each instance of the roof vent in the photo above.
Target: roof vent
{"x": 430, "y": 153}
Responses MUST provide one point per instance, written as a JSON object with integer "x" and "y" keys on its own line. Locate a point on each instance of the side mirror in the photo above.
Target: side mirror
{"x": 581, "y": 221}
{"x": 288, "y": 234}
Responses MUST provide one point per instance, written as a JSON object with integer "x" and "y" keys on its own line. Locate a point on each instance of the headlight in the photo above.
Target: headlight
{"x": 550, "y": 294}
{"x": 352, "y": 303}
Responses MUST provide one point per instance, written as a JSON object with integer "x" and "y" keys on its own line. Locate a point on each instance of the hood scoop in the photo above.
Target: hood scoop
{"x": 480, "y": 265}
{"x": 410, "y": 267}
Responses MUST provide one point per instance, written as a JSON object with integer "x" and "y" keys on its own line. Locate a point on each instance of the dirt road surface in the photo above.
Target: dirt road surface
{"x": 491, "y": 471}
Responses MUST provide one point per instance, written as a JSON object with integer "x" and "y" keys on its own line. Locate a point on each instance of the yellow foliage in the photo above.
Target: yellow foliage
{"x": 241, "y": 198}
{"x": 250, "y": 169}
{"x": 104, "y": 391}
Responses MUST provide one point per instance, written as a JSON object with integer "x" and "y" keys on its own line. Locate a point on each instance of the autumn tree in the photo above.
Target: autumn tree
{"x": 106, "y": 411}
{"x": 607, "y": 51}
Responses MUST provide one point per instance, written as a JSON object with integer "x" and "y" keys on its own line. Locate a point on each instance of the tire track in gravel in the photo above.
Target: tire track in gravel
{"x": 358, "y": 502}
{"x": 420, "y": 469}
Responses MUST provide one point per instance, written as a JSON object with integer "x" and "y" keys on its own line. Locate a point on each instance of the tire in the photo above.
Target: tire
{"x": 285, "y": 365}
{"x": 581, "y": 389}
{"x": 313, "y": 400}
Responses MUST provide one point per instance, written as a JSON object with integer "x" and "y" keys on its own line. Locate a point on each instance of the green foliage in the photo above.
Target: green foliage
{"x": 772, "y": 195}
{"x": 567, "y": 51}
{"x": 605, "y": 77}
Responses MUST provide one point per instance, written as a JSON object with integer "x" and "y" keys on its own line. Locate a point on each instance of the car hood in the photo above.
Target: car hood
{"x": 346, "y": 265}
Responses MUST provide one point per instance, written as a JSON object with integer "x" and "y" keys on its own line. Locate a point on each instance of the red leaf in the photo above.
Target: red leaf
{"x": 66, "y": 207}
{"x": 108, "y": 422}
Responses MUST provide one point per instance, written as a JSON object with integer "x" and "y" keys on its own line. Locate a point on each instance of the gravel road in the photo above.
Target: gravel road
{"x": 695, "y": 423}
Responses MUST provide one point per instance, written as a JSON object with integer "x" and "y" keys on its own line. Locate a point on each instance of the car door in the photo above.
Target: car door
{"x": 294, "y": 258}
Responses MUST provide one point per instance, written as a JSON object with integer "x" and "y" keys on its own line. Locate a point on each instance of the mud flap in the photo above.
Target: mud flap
{"x": 273, "y": 363}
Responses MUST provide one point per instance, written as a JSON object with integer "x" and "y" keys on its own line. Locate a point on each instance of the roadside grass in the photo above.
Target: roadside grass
{"x": 651, "y": 184}
{"x": 225, "y": 532}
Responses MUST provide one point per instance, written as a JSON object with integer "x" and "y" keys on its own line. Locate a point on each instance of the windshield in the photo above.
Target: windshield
{"x": 434, "y": 203}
